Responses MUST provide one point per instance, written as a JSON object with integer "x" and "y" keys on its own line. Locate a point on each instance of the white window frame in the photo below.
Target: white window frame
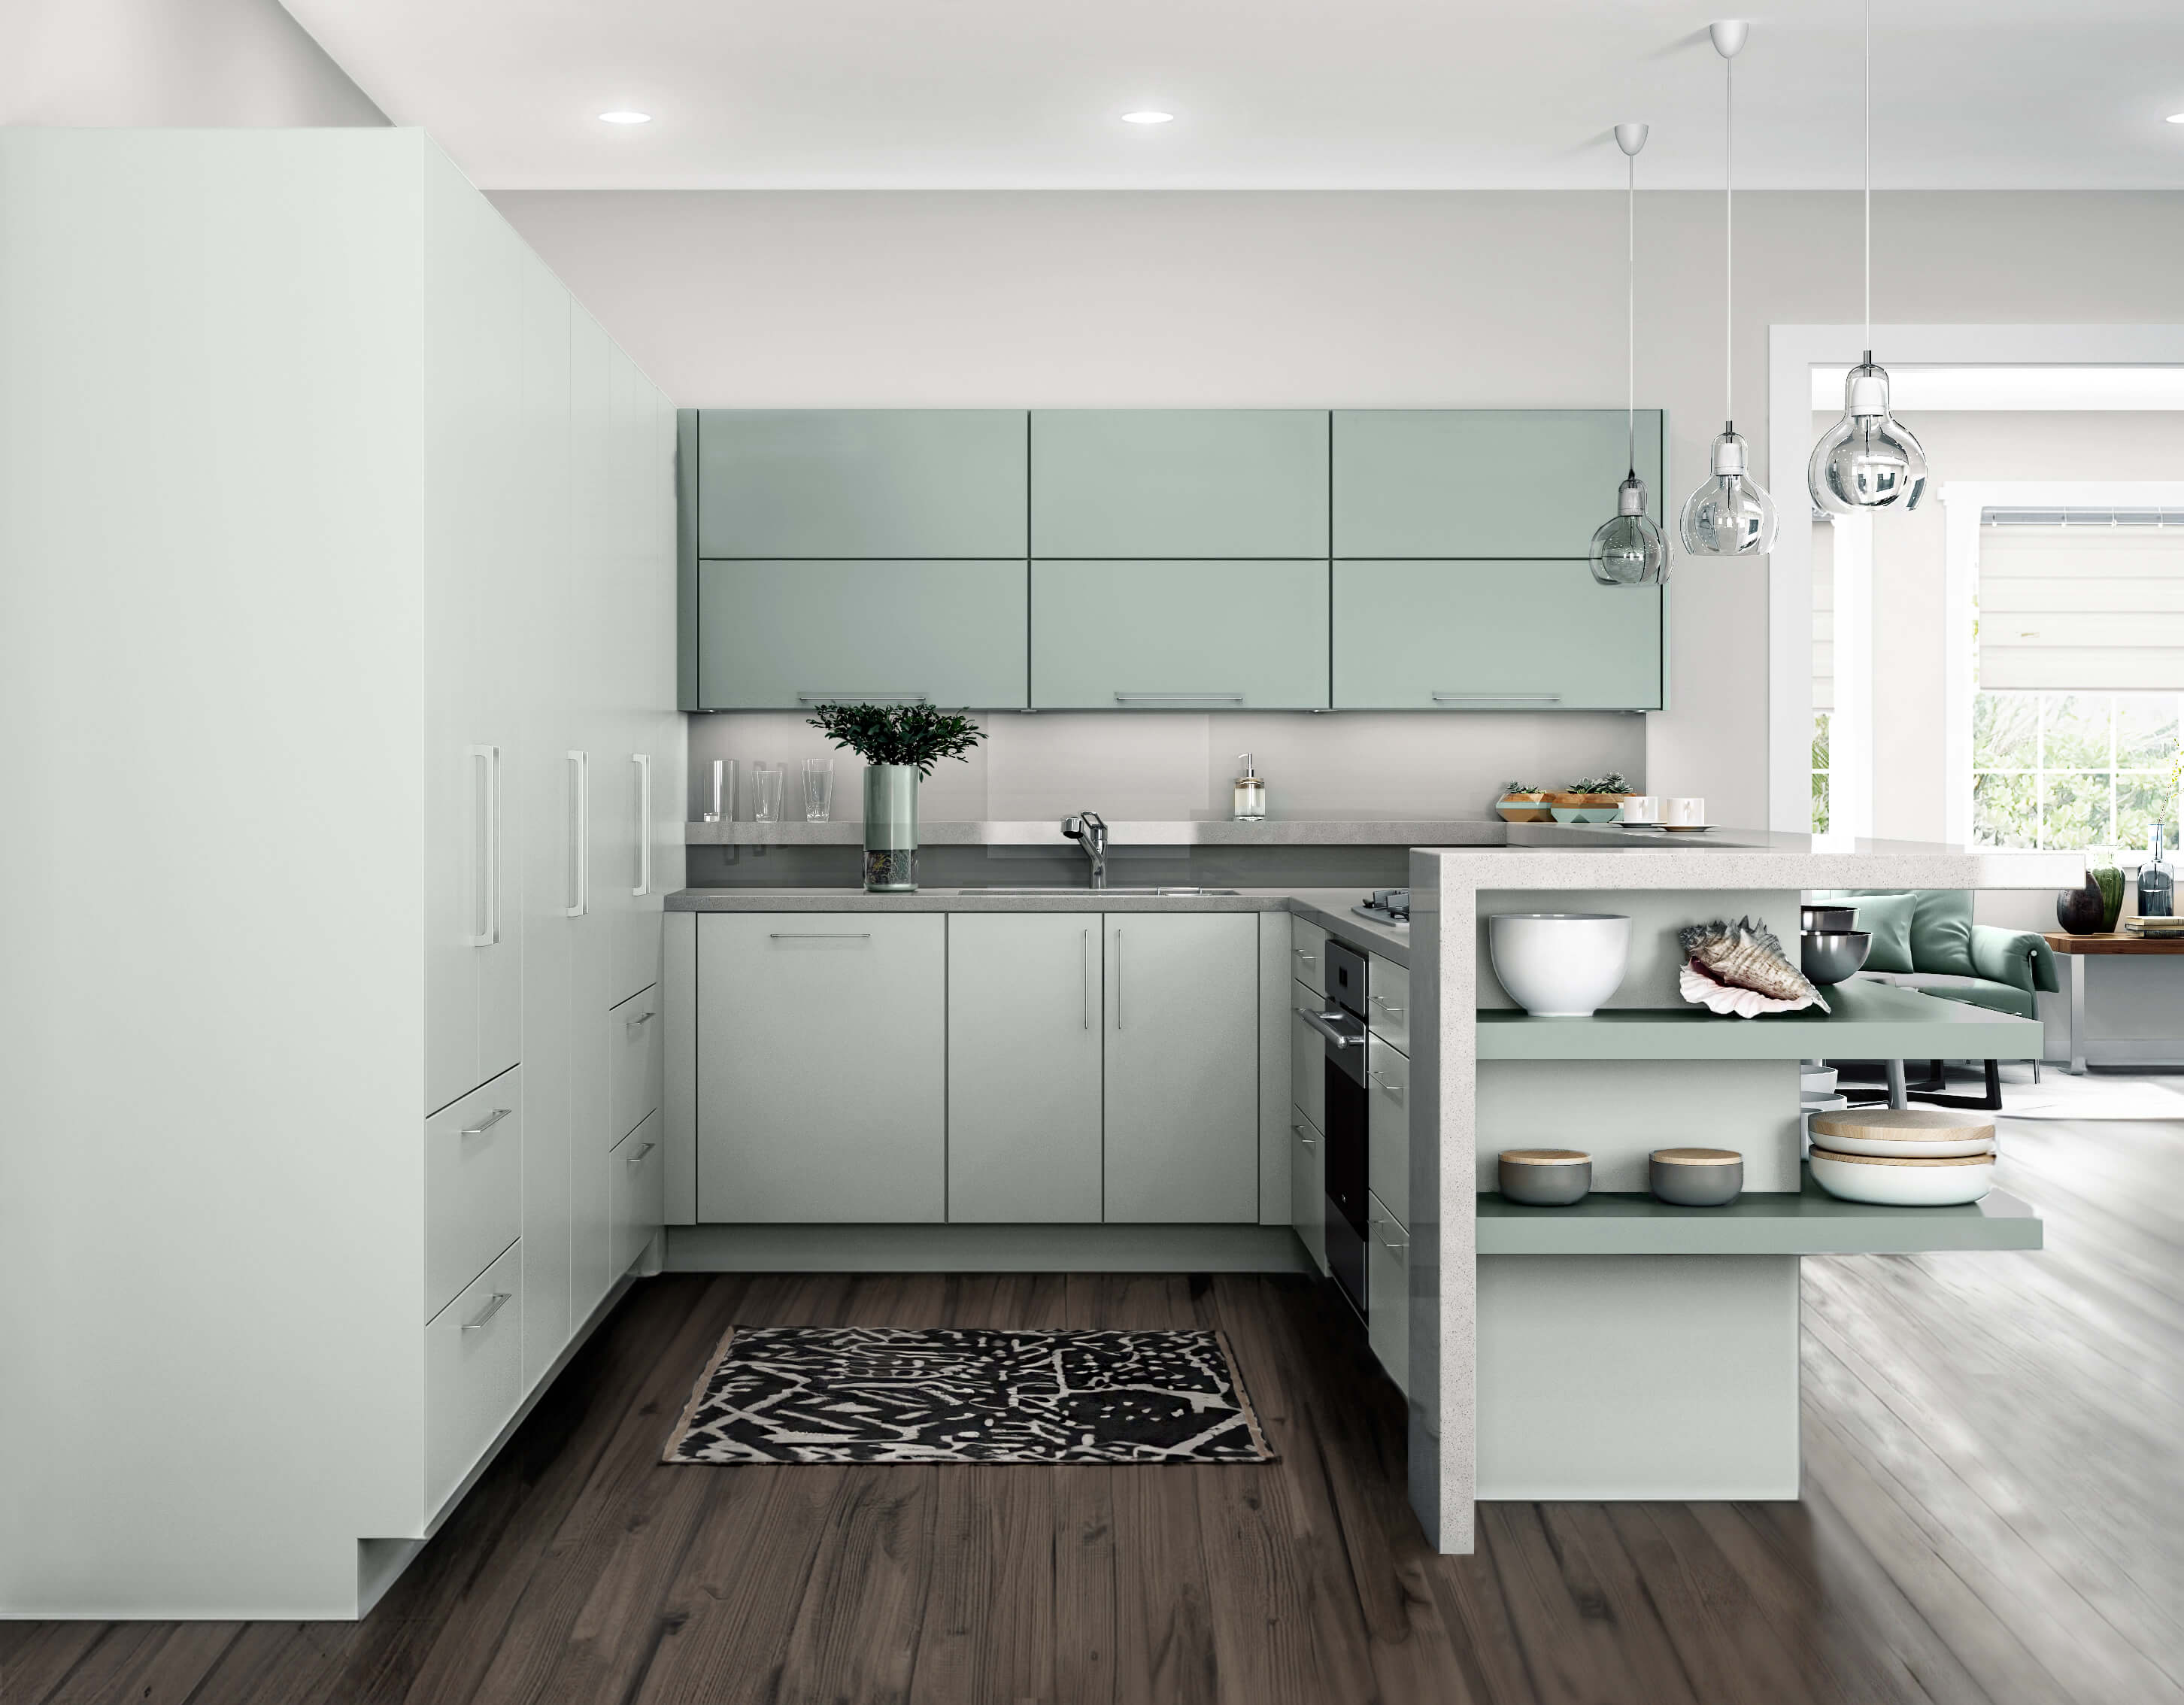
{"x": 1793, "y": 352}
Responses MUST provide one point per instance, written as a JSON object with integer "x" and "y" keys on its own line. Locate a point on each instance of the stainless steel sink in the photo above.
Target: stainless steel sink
{"x": 1093, "y": 893}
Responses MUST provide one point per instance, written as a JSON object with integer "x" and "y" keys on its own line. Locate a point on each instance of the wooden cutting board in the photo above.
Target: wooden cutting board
{"x": 1903, "y": 1125}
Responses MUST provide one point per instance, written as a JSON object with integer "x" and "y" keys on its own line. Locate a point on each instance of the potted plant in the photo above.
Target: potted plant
{"x": 900, "y": 743}
{"x": 1590, "y": 800}
{"x": 1524, "y": 802}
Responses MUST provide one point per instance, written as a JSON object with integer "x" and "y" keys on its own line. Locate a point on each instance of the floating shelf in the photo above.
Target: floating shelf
{"x": 1810, "y": 1223}
{"x": 1871, "y": 1021}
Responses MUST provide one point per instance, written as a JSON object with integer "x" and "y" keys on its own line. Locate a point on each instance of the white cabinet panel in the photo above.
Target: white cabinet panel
{"x": 473, "y": 1186}
{"x": 1388, "y": 1001}
{"x": 1024, "y": 1031}
{"x": 1308, "y": 1186}
{"x": 1308, "y": 954}
{"x": 637, "y": 1179}
{"x": 635, "y": 1043}
{"x": 1307, "y": 1057}
{"x": 1387, "y": 1291}
{"x": 473, "y": 1372}
{"x": 1388, "y": 1126}
{"x": 1182, "y": 1067}
{"x": 822, "y": 1075}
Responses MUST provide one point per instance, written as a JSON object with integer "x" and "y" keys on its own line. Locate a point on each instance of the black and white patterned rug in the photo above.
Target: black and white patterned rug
{"x": 848, "y": 1394}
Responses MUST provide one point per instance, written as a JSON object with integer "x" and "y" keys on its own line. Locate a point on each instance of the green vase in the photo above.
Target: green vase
{"x": 2110, "y": 881}
{"x": 891, "y": 828}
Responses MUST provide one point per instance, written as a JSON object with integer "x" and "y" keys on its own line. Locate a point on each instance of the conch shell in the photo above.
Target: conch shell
{"x": 1739, "y": 968}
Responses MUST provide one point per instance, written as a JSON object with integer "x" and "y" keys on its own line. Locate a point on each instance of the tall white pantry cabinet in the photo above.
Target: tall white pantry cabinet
{"x": 343, "y": 782}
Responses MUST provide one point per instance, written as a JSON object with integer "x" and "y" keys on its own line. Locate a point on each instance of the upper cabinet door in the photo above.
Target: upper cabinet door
{"x": 1483, "y": 483}
{"x": 1179, "y": 636}
{"x": 1170, "y": 482}
{"x": 1493, "y": 635}
{"x": 861, "y": 482}
{"x": 783, "y": 635}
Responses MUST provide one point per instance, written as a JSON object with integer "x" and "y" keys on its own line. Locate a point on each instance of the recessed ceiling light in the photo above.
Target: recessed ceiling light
{"x": 624, "y": 118}
{"x": 1147, "y": 117}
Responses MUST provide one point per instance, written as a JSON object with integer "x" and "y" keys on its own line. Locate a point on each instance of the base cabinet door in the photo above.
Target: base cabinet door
{"x": 636, "y": 1191}
{"x": 1182, "y": 1067}
{"x": 1308, "y": 1186}
{"x": 1388, "y": 1126}
{"x": 1024, "y": 1004}
{"x": 1307, "y": 1056}
{"x": 473, "y": 1374}
{"x": 1388, "y": 1290}
{"x": 822, "y": 1072}
{"x": 636, "y": 1051}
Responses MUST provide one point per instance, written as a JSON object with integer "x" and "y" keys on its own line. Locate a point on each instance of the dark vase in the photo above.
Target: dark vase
{"x": 2081, "y": 911}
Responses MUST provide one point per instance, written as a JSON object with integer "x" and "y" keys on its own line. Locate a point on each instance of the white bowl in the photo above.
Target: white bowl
{"x": 1559, "y": 964}
{"x": 1948, "y": 1148}
{"x": 1930, "y": 1182}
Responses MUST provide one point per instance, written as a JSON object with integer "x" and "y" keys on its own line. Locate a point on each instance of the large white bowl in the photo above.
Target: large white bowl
{"x": 1903, "y": 1184}
{"x": 1559, "y": 964}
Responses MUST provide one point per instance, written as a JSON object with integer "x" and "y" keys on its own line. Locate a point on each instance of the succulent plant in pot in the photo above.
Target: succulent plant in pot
{"x": 900, "y": 743}
{"x": 1524, "y": 802}
{"x": 1590, "y": 799}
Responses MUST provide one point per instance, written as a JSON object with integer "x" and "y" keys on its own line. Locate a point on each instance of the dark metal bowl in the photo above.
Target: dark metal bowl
{"x": 1829, "y": 920}
{"x": 1829, "y": 956}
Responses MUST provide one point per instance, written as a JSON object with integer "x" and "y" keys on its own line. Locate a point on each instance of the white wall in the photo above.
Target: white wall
{"x": 159, "y": 63}
{"x": 1374, "y": 299}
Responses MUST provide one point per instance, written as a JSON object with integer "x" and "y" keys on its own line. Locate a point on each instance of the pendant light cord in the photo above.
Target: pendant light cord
{"x": 1729, "y": 239}
{"x": 1869, "y": 178}
{"x": 1631, "y": 280}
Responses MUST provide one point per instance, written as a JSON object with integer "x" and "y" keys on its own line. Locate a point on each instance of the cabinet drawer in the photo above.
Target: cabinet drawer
{"x": 635, "y": 1051}
{"x": 473, "y": 1374}
{"x": 1308, "y": 954}
{"x": 1388, "y": 1291}
{"x": 473, "y": 1185}
{"x": 1307, "y": 1059}
{"x": 1308, "y": 1186}
{"x": 637, "y": 1194}
{"x": 1388, "y": 1126}
{"x": 1388, "y": 1001}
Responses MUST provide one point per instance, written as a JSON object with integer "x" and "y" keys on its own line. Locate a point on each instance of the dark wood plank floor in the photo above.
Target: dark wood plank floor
{"x": 1994, "y": 1498}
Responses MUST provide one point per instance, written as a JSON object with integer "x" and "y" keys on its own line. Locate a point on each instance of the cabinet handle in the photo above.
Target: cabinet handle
{"x": 1084, "y": 978}
{"x": 643, "y": 762}
{"x": 638, "y": 1158}
{"x": 1298, "y": 1131}
{"x": 641, "y": 1019}
{"x": 487, "y": 933}
{"x": 1498, "y": 698}
{"x": 818, "y": 935}
{"x": 499, "y": 1301}
{"x": 1318, "y": 1021}
{"x": 1178, "y": 698}
{"x": 862, "y": 698}
{"x": 1392, "y": 1090}
{"x": 580, "y": 834}
{"x": 1308, "y": 958}
{"x": 487, "y": 1122}
{"x": 1118, "y": 977}
{"x": 1401, "y": 1250}
{"x": 1381, "y": 1001}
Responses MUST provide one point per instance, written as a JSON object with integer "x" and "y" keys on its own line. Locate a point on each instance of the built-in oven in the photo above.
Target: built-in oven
{"x": 1340, "y": 1022}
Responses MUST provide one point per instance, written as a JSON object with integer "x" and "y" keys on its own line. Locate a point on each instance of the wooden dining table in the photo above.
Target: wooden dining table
{"x": 2080, "y": 948}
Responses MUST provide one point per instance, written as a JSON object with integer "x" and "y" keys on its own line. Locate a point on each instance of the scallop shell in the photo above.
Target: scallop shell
{"x": 1739, "y": 968}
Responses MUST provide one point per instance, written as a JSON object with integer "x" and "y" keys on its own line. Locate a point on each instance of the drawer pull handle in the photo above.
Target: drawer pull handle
{"x": 637, "y": 1023}
{"x": 1318, "y": 1021}
{"x": 638, "y": 1158}
{"x": 1309, "y": 1142}
{"x": 1393, "y": 1090}
{"x": 1498, "y": 698}
{"x": 1308, "y": 958}
{"x": 818, "y": 935}
{"x": 487, "y": 1122}
{"x": 1400, "y": 1249}
{"x": 865, "y": 697}
{"x": 499, "y": 1301}
{"x": 1178, "y": 698}
{"x": 1381, "y": 1001}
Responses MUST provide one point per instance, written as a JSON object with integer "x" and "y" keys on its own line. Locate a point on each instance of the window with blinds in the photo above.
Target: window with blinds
{"x": 2085, "y": 608}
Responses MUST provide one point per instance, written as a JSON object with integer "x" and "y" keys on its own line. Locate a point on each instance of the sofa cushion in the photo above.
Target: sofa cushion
{"x": 1973, "y": 991}
{"x": 1941, "y": 931}
{"x": 1887, "y": 917}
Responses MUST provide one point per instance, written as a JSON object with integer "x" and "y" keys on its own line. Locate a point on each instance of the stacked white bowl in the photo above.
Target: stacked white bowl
{"x": 1903, "y": 1157}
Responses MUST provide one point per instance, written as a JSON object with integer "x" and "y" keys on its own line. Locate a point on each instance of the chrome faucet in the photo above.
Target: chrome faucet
{"x": 1086, "y": 829}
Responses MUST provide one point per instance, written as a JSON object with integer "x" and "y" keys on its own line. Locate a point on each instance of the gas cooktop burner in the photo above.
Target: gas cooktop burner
{"x": 1388, "y": 906}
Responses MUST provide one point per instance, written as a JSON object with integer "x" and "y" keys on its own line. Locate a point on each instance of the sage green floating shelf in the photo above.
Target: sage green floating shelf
{"x": 1809, "y": 1223}
{"x": 1870, "y": 1021}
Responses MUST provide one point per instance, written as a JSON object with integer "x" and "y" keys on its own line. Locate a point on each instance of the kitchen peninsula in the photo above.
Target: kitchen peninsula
{"x": 954, "y": 1103}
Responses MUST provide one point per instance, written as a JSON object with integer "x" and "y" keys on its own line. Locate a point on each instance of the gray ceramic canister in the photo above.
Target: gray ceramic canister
{"x": 1696, "y": 1177}
{"x": 1546, "y": 1178}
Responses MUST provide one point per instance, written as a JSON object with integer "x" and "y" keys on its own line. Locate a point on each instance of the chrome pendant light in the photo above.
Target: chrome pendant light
{"x": 1628, "y": 549}
{"x": 1730, "y": 515}
{"x": 1867, "y": 460}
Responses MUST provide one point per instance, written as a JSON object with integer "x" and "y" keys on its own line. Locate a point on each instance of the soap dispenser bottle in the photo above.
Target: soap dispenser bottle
{"x": 1250, "y": 793}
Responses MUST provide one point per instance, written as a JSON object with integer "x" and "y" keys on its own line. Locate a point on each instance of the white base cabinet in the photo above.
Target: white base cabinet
{"x": 823, "y": 1088}
{"x": 1308, "y": 1186}
{"x": 473, "y": 1374}
{"x": 1388, "y": 1290}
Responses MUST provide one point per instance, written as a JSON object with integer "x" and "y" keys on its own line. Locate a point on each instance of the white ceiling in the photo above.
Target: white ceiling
{"x": 1336, "y": 94}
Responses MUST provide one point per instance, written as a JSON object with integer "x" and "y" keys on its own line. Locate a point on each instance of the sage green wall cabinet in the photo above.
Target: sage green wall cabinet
{"x": 1182, "y": 1067}
{"x": 781, "y": 635}
{"x": 851, "y": 482}
{"x": 1113, "y": 634}
{"x": 1164, "y": 482}
{"x": 822, "y": 1081}
{"x": 1493, "y": 635}
{"x": 1024, "y": 1042}
{"x": 1483, "y": 483}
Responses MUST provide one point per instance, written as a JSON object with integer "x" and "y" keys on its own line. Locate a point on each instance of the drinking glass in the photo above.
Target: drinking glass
{"x": 818, "y": 790}
{"x": 768, "y": 780}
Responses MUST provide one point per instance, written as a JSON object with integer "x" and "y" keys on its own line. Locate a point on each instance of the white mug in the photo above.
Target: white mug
{"x": 1679, "y": 813}
{"x": 1641, "y": 808}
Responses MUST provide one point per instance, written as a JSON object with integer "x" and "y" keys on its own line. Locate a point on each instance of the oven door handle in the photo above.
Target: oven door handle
{"x": 1318, "y": 1021}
